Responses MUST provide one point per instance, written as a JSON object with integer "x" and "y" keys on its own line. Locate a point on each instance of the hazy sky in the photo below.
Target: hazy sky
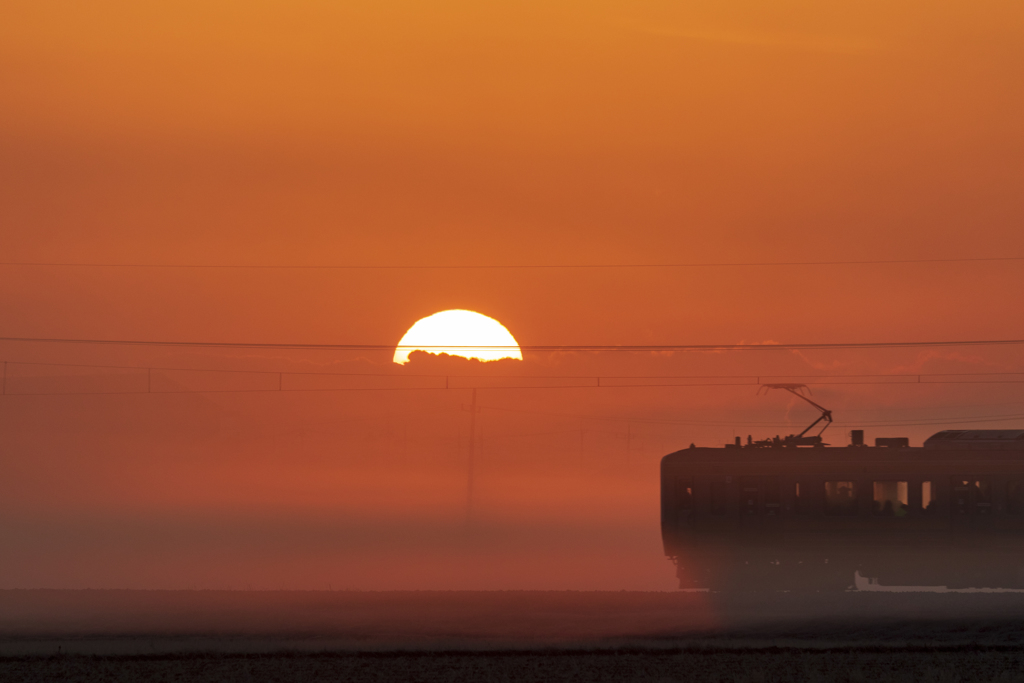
{"x": 467, "y": 133}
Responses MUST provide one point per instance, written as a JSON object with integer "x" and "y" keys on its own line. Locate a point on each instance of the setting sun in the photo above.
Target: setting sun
{"x": 459, "y": 333}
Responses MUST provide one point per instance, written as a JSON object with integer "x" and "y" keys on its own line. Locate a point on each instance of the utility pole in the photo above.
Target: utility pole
{"x": 472, "y": 457}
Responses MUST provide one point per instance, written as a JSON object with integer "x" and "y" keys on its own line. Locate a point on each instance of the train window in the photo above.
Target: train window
{"x": 1014, "y": 497}
{"x": 750, "y": 491}
{"x": 718, "y": 505}
{"x": 801, "y": 498}
{"x": 684, "y": 493}
{"x": 971, "y": 496}
{"x": 960, "y": 503}
{"x": 927, "y": 496}
{"x": 772, "y": 502}
{"x": 840, "y": 498}
{"x": 983, "y": 497}
{"x": 890, "y": 498}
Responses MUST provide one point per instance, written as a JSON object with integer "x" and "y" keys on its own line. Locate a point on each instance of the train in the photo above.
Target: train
{"x": 794, "y": 514}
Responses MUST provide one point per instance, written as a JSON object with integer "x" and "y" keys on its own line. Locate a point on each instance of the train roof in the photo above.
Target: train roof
{"x": 834, "y": 454}
{"x": 961, "y": 439}
{"x": 849, "y": 459}
{"x": 1000, "y": 444}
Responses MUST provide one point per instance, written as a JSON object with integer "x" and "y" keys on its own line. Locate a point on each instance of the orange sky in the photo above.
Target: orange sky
{"x": 399, "y": 133}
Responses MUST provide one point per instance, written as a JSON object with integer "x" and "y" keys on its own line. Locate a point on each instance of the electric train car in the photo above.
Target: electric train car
{"x": 777, "y": 515}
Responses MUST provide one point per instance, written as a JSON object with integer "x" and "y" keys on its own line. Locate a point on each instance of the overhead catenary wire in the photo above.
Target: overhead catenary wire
{"x": 287, "y": 390}
{"x": 587, "y": 381}
{"x": 749, "y": 423}
{"x": 279, "y": 387}
{"x": 692, "y": 423}
{"x": 447, "y": 385}
{"x": 513, "y": 266}
{"x": 400, "y": 372}
{"x": 604, "y": 348}
{"x": 731, "y": 381}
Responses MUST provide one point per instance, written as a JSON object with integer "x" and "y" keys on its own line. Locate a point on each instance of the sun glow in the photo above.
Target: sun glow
{"x": 459, "y": 333}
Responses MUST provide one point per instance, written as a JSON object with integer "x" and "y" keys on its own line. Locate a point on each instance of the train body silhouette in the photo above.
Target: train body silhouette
{"x": 774, "y": 516}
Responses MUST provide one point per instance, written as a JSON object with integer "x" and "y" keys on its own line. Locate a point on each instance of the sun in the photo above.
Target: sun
{"x": 459, "y": 333}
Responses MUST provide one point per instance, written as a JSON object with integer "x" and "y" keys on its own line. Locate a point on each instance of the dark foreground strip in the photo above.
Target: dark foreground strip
{"x": 540, "y": 652}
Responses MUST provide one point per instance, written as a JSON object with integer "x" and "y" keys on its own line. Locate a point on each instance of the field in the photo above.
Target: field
{"x": 508, "y": 636}
{"x": 754, "y": 665}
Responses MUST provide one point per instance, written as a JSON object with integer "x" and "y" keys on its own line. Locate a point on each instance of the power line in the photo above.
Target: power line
{"x": 635, "y": 420}
{"x": 524, "y": 387}
{"x": 748, "y": 423}
{"x": 602, "y": 348}
{"x": 463, "y": 381}
{"x": 758, "y": 378}
{"x": 280, "y": 388}
{"x": 520, "y": 266}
